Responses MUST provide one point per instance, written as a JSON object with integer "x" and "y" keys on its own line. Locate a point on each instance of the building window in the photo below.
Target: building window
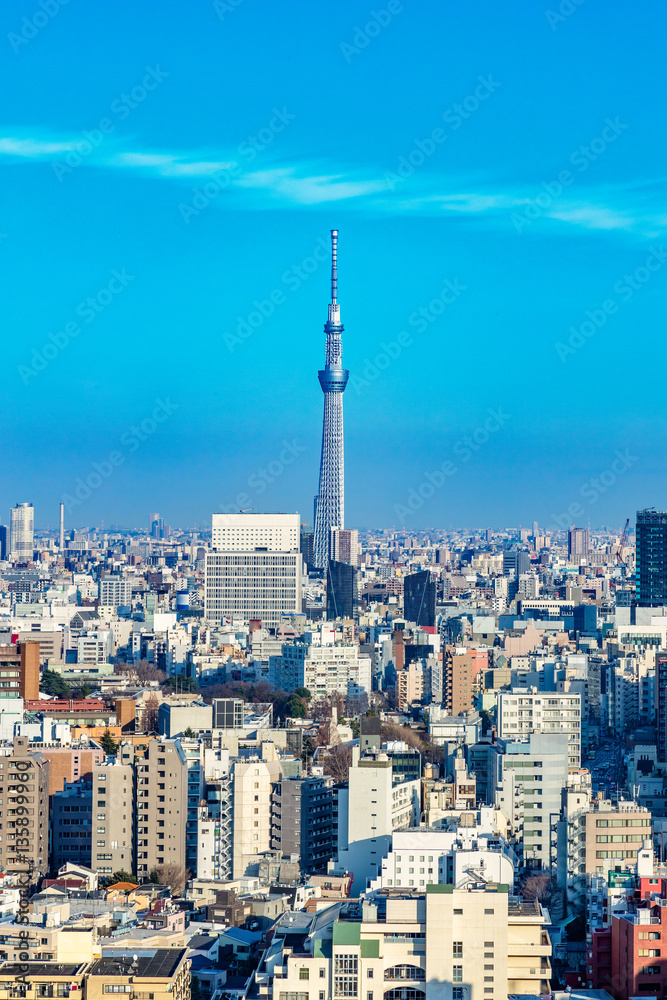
{"x": 457, "y": 949}
{"x": 458, "y": 913}
{"x": 323, "y": 973}
{"x": 404, "y": 972}
{"x": 457, "y": 973}
{"x": 304, "y": 974}
{"x": 117, "y": 988}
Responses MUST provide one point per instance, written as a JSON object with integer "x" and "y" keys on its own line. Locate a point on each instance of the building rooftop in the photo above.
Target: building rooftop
{"x": 161, "y": 965}
{"x": 42, "y": 969}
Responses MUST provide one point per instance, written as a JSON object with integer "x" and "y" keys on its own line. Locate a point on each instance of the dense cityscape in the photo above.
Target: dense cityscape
{"x": 333, "y": 538}
{"x": 275, "y": 759}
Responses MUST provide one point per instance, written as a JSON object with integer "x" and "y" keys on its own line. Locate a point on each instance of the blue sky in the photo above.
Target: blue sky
{"x": 498, "y": 167}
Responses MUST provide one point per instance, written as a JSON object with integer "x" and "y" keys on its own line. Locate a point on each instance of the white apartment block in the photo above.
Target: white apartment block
{"x": 246, "y": 532}
{"x": 374, "y": 805}
{"x": 444, "y": 944}
{"x": 323, "y": 664}
{"x": 421, "y": 857}
{"x": 265, "y": 585}
{"x": 95, "y": 647}
{"x": 115, "y": 592}
{"x": 526, "y": 712}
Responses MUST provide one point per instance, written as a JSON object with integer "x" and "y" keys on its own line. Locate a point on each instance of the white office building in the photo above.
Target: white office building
{"x": 246, "y": 532}
{"x": 22, "y": 532}
{"x": 264, "y": 585}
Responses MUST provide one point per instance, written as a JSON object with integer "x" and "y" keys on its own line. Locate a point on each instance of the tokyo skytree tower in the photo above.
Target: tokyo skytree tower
{"x": 329, "y": 502}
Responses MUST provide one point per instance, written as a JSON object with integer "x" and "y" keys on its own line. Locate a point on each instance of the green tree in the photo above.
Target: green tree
{"x": 52, "y": 683}
{"x": 182, "y": 684}
{"x": 295, "y": 707}
{"x": 121, "y": 876}
{"x": 190, "y": 733}
{"x": 84, "y": 690}
{"x": 108, "y": 743}
{"x": 303, "y": 693}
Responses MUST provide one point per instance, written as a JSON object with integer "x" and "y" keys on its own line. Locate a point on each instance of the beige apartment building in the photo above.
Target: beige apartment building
{"x": 162, "y": 975}
{"x": 161, "y": 806}
{"x": 449, "y": 944}
{"x": 613, "y": 835}
{"x": 25, "y": 826}
{"x": 252, "y": 787}
{"x": 112, "y": 837}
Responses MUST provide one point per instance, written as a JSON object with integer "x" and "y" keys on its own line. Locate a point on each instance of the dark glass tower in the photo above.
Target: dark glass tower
{"x": 341, "y": 590}
{"x": 419, "y": 598}
{"x": 651, "y": 572}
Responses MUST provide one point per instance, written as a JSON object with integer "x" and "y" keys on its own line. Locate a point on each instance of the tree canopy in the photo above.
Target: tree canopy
{"x": 53, "y": 683}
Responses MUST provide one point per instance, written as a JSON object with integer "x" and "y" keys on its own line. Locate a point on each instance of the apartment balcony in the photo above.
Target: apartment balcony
{"x": 541, "y": 971}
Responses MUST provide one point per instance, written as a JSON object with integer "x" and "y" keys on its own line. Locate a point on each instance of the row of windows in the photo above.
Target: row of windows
{"x": 622, "y": 822}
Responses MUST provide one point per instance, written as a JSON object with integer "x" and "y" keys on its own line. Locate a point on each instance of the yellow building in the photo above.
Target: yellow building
{"x": 163, "y": 976}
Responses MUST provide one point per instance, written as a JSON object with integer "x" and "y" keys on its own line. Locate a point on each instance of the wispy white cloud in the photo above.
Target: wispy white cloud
{"x": 309, "y": 190}
{"x": 34, "y": 149}
{"x": 170, "y": 164}
{"x": 634, "y": 207}
{"x": 592, "y": 217}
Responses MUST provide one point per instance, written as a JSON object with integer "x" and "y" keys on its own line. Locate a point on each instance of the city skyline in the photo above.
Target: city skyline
{"x": 503, "y": 248}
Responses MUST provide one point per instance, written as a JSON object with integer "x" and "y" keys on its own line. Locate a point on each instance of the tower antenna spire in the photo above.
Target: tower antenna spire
{"x": 334, "y": 265}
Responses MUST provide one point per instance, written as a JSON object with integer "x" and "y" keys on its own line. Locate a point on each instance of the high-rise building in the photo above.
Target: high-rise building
{"x": 578, "y": 542}
{"x": 330, "y": 501}
{"x": 72, "y": 825}
{"x": 22, "y": 532}
{"x": 515, "y": 562}
{"x": 458, "y": 681}
{"x": 342, "y": 596}
{"x": 375, "y": 802}
{"x": 115, "y": 592}
{"x": 26, "y": 774}
{"x": 113, "y": 798}
{"x": 20, "y": 671}
{"x": 4, "y": 541}
{"x": 530, "y": 774}
{"x": 252, "y": 786}
{"x": 651, "y": 571}
{"x": 302, "y": 821}
{"x": 307, "y": 544}
{"x": 161, "y": 806}
{"x": 419, "y": 598}
{"x": 263, "y": 584}
{"x": 522, "y": 713}
{"x": 247, "y": 532}
{"x": 344, "y": 545}
{"x": 320, "y": 662}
